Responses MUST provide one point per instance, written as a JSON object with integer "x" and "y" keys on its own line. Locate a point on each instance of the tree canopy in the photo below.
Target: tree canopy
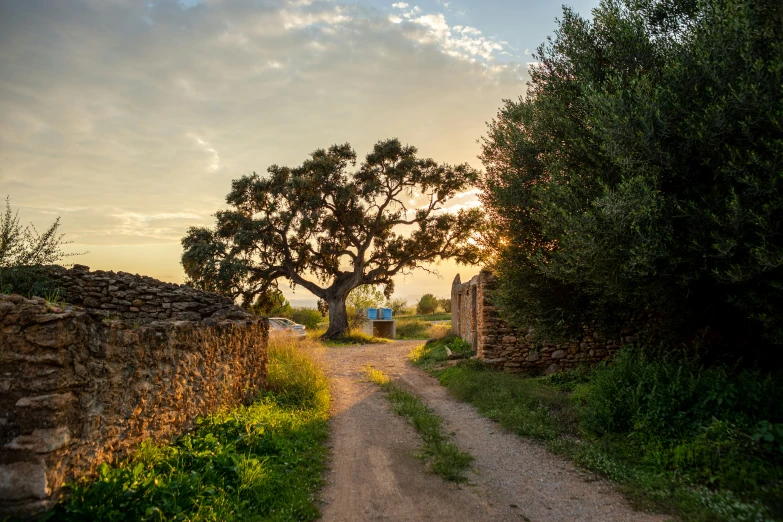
{"x": 642, "y": 171}
{"x": 428, "y": 304}
{"x": 329, "y": 229}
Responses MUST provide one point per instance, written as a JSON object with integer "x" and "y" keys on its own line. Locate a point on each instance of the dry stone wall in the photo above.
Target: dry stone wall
{"x": 517, "y": 349}
{"x": 138, "y": 298}
{"x": 78, "y": 389}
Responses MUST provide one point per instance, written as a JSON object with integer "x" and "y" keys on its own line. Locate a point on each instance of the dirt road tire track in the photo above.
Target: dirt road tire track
{"x": 374, "y": 474}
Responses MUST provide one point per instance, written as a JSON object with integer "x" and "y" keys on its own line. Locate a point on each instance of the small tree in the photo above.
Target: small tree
{"x": 23, "y": 251}
{"x": 331, "y": 230}
{"x": 428, "y": 304}
{"x": 445, "y": 304}
{"x": 272, "y": 303}
{"x": 397, "y": 305}
{"x": 365, "y": 296}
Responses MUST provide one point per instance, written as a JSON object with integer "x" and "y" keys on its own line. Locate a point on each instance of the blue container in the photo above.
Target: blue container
{"x": 386, "y": 313}
{"x": 372, "y": 313}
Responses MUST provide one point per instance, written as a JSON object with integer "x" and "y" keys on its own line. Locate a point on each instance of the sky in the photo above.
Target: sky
{"x": 129, "y": 119}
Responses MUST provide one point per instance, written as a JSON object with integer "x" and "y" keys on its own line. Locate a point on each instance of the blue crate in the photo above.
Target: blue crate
{"x": 372, "y": 313}
{"x": 386, "y": 313}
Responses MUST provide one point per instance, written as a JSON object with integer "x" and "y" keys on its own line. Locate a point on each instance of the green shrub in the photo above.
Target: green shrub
{"x": 309, "y": 317}
{"x": 670, "y": 396}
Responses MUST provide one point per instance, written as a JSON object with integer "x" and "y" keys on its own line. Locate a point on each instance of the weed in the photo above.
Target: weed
{"x": 444, "y": 457}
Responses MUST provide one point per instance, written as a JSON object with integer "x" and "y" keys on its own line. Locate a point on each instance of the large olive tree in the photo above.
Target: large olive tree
{"x": 329, "y": 228}
{"x": 642, "y": 171}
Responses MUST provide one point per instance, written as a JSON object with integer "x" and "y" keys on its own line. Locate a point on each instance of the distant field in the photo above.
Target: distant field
{"x": 429, "y": 317}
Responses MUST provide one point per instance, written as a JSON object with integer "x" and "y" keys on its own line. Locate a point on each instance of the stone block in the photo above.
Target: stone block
{"x": 23, "y": 480}
{"x": 558, "y": 354}
{"x": 41, "y": 440}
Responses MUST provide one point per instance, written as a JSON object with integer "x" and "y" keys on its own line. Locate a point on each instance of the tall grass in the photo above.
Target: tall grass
{"x": 257, "y": 462}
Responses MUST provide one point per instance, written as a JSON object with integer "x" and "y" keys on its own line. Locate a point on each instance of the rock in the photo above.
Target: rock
{"x": 509, "y": 339}
{"x": 23, "y": 480}
{"x": 558, "y": 354}
{"x": 552, "y": 368}
{"x": 42, "y": 440}
{"x": 52, "y": 401}
{"x": 532, "y": 357}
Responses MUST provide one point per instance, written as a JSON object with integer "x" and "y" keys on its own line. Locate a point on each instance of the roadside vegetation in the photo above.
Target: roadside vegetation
{"x": 443, "y": 456}
{"x": 701, "y": 443}
{"x": 258, "y": 462}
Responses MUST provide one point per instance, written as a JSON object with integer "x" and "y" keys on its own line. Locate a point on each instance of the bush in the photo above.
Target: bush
{"x": 709, "y": 424}
{"x": 25, "y": 254}
{"x": 309, "y": 317}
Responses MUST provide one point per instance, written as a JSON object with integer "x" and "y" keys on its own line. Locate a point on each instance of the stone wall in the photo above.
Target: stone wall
{"x": 77, "y": 389}
{"x": 140, "y": 298}
{"x": 517, "y": 349}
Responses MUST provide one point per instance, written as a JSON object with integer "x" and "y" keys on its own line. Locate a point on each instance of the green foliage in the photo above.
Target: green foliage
{"x": 642, "y": 170}
{"x": 428, "y": 304}
{"x": 445, "y": 458}
{"x": 701, "y": 443}
{"x": 330, "y": 229}
{"x": 24, "y": 253}
{"x": 397, "y": 305}
{"x": 309, "y": 317}
{"x": 364, "y": 296}
{"x": 261, "y": 462}
{"x": 271, "y": 303}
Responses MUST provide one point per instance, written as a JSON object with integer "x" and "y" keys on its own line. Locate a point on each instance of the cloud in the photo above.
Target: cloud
{"x": 463, "y": 42}
{"x": 130, "y": 119}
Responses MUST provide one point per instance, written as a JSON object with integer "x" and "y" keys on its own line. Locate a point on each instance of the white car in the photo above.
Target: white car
{"x": 283, "y": 326}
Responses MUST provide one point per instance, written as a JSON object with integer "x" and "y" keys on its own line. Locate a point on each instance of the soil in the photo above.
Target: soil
{"x": 375, "y": 475}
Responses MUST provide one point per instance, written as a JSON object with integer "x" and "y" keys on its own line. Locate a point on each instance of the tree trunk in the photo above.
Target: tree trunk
{"x": 338, "y": 318}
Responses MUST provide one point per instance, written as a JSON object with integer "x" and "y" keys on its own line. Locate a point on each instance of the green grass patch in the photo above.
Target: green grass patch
{"x": 426, "y": 317}
{"x": 354, "y": 338}
{"x": 419, "y": 329}
{"x": 443, "y": 456}
{"x": 699, "y": 443}
{"x": 257, "y": 462}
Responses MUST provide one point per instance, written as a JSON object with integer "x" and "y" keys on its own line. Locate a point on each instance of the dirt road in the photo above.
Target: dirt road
{"x": 375, "y": 475}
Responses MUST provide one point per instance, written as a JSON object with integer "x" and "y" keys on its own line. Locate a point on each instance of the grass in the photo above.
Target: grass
{"x": 444, "y": 316}
{"x": 701, "y": 444}
{"x": 350, "y": 339}
{"x": 418, "y": 329}
{"x": 258, "y": 462}
{"x": 443, "y": 456}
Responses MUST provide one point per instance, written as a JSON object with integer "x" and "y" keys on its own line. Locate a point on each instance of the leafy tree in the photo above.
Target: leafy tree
{"x": 271, "y": 304}
{"x": 330, "y": 230}
{"x": 428, "y": 304}
{"x": 445, "y": 304}
{"x": 307, "y": 316}
{"x": 24, "y": 252}
{"x": 364, "y": 296}
{"x": 642, "y": 170}
{"x": 397, "y": 305}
